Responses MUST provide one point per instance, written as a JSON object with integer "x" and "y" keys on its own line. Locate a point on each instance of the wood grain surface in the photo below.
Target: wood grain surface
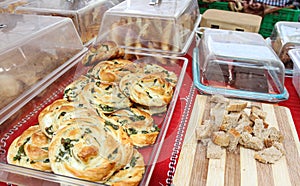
{"x": 240, "y": 168}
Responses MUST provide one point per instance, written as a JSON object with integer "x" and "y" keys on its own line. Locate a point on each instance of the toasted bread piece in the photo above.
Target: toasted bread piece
{"x": 248, "y": 141}
{"x": 245, "y": 119}
{"x": 205, "y": 130}
{"x": 230, "y": 121}
{"x": 280, "y": 147}
{"x": 236, "y": 106}
{"x": 258, "y": 128}
{"x": 248, "y": 129}
{"x": 272, "y": 135}
{"x": 220, "y": 138}
{"x": 234, "y": 137}
{"x": 257, "y": 113}
{"x": 268, "y": 155}
{"x": 214, "y": 151}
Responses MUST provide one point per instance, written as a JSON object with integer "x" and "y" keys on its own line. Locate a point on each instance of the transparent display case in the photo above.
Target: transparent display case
{"x": 28, "y": 115}
{"x": 164, "y": 27}
{"x": 31, "y": 48}
{"x": 285, "y": 36}
{"x": 9, "y": 6}
{"x": 238, "y": 64}
{"x": 86, "y": 14}
{"x": 295, "y": 57}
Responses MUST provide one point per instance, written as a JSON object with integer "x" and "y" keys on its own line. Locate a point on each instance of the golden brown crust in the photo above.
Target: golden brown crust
{"x": 60, "y": 112}
{"x": 151, "y": 90}
{"x": 131, "y": 174}
{"x": 88, "y": 152}
{"x": 103, "y": 51}
{"x": 150, "y": 68}
{"x": 113, "y": 70}
{"x": 138, "y": 124}
{"x": 30, "y": 150}
{"x": 220, "y": 138}
{"x": 236, "y": 106}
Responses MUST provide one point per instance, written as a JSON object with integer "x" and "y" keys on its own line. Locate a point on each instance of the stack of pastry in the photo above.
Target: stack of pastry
{"x": 93, "y": 132}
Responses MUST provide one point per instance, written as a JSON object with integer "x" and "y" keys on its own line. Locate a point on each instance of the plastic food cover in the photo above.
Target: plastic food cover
{"x": 295, "y": 57}
{"x": 285, "y": 36}
{"x": 27, "y": 116}
{"x": 238, "y": 64}
{"x": 165, "y": 27}
{"x": 31, "y": 48}
{"x": 86, "y": 14}
{"x": 9, "y": 6}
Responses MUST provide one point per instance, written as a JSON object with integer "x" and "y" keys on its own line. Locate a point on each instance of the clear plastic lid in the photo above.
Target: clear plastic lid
{"x": 31, "y": 48}
{"x": 295, "y": 57}
{"x": 86, "y": 14}
{"x": 165, "y": 27}
{"x": 9, "y": 6}
{"x": 285, "y": 36}
{"x": 238, "y": 64}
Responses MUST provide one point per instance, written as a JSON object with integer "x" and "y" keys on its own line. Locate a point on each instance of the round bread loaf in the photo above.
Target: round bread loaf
{"x": 88, "y": 152}
{"x": 30, "y": 150}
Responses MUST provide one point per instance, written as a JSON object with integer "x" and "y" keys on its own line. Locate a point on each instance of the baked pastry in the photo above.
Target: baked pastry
{"x": 131, "y": 174}
{"x": 152, "y": 110}
{"x": 30, "y": 150}
{"x": 151, "y": 90}
{"x": 57, "y": 114}
{"x": 114, "y": 70}
{"x": 103, "y": 51}
{"x": 138, "y": 124}
{"x": 127, "y": 81}
{"x": 88, "y": 152}
{"x": 149, "y": 68}
{"x": 73, "y": 89}
{"x": 105, "y": 97}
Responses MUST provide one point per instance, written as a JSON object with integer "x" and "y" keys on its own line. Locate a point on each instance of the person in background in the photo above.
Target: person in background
{"x": 279, "y": 3}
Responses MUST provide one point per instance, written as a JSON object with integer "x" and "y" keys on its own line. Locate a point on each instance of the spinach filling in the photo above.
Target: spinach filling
{"x": 106, "y": 108}
{"x": 115, "y": 127}
{"x": 66, "y": 150}
{"x": 21, "y": 151}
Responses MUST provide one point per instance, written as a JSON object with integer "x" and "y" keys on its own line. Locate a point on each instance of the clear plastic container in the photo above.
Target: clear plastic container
{"x": 285, "y": 36}
{"x": 165, "y": 27}
{"x": 238, "y": 64}
{"x": 28, "y": 116}
{"x": 86, "y": 14}
{"x": 295, "y": 57}
{"x": 9, "y": 6}
{"x": 31, "y": 48}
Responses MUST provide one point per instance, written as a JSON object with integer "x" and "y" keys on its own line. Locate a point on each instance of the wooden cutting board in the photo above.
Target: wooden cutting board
{"x": 235, "y": 169}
